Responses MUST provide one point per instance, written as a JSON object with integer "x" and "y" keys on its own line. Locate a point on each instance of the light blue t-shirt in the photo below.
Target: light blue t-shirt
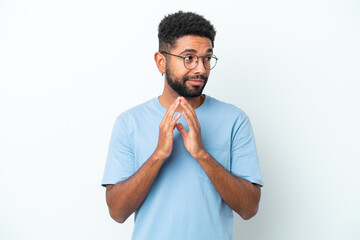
{"x": 182, "y": 202}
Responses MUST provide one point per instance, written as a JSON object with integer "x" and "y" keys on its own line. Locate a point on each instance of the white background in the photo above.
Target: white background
{"x": 68, "y": 68}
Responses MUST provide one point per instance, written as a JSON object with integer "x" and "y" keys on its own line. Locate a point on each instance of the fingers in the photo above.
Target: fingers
{"x": 189, "y": 114}
{"x": 174, "y": 120}
{"x": 186, "y": 105}
{"x": 170, "y": 112}
{"x": 189, "y": 120}
{"x": 181, "y": 129}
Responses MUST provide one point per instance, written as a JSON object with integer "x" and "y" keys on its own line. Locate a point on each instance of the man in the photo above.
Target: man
{"x": 183, "y": 175}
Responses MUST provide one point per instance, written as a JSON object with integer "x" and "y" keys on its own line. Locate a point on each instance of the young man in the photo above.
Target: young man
{"x": 183, "y": 175}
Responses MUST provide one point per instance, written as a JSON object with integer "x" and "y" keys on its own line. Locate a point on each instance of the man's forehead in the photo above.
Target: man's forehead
{"x": 193, "y": 43}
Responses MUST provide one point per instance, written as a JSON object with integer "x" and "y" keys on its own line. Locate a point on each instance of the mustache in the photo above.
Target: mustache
{"x": 202, "y": 77}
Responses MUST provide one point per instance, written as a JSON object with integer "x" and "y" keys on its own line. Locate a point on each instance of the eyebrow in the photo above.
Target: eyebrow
{"x": 210, "y": 50}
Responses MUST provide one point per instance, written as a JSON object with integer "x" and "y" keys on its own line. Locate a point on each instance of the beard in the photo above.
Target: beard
{"x": 179, "y": 85}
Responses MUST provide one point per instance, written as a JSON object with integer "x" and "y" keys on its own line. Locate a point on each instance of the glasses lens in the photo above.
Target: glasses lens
{"x": 209, "y": 62}
{"x": 190, "y": 61}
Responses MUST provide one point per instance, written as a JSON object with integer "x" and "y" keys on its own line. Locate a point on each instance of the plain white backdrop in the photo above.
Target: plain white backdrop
{"x": 68, "y": 68}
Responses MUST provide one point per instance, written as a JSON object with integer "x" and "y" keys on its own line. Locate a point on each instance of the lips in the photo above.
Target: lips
{"x": 195, "y": 82}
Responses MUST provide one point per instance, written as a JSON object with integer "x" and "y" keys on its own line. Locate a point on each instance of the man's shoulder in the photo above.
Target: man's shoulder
{"x": 225, "y": 108}
{"x": 140, "y": 110}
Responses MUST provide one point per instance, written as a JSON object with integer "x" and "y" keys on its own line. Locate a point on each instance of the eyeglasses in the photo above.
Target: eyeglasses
{"x": 191, "y": 60}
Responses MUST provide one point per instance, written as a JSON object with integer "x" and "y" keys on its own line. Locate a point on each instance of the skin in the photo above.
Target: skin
{"x": 126, "y": 197}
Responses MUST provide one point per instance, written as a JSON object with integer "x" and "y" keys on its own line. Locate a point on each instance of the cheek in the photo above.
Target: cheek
{"x": 178, "y": 70}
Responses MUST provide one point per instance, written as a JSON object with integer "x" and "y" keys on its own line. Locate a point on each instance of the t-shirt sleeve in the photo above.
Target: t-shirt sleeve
{"x": 120, "y": 160}
{"x": 244, "y": 161}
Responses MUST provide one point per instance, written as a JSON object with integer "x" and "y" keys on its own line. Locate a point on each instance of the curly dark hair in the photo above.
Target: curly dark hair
{"x": 179, "y": 24}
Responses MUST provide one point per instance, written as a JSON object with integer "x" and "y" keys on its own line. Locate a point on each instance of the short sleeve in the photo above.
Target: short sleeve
{"x": 120, "y": 160}
{"x": 244, "y": 161}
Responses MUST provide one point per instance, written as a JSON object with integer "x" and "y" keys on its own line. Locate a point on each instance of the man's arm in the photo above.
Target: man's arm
{"x": 126, "y": 197}
{"x": 241, "y": 195}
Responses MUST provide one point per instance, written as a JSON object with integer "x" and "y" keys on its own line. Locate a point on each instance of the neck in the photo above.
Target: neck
{"x": 168, "y": 97}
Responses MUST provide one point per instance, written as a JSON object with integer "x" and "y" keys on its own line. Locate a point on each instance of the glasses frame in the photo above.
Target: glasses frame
{"x": 197, "y": 60}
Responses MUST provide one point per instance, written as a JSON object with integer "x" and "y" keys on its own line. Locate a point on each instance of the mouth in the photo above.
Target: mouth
{"x": 195, "y": 82}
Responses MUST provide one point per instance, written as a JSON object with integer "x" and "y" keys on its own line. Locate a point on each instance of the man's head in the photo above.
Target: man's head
{"x": 183, "y": 35}
{"x": 180, "y": 24}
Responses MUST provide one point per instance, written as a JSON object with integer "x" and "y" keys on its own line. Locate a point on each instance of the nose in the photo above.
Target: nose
{"x": 200, "y": 68}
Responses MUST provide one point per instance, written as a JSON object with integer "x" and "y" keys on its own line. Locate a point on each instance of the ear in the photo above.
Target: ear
{"x": 160, "y": 61}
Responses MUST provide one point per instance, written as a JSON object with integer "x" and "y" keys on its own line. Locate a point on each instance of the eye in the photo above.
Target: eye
{"x": 189, "y": 58}
{"x": 207, "y": 59}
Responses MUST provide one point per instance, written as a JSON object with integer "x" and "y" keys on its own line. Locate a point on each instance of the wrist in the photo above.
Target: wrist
{"x": 159, "y": 155}
{"x": 202, "y": 155}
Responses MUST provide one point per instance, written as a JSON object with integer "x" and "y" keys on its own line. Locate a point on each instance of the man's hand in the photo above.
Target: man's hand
{"x": 241, "y": 195}
{"x": 192, "y": 139}
{"x": 166, "y": 131}
{"x": 126, "y": 197}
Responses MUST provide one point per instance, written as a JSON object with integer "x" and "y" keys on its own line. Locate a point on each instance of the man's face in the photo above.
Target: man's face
{"x": 185, "y": 82}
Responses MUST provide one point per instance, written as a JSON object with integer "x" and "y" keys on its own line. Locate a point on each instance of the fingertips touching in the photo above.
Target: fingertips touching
{"x": 176, "y": 118}
{"x": 178, "y": 115}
